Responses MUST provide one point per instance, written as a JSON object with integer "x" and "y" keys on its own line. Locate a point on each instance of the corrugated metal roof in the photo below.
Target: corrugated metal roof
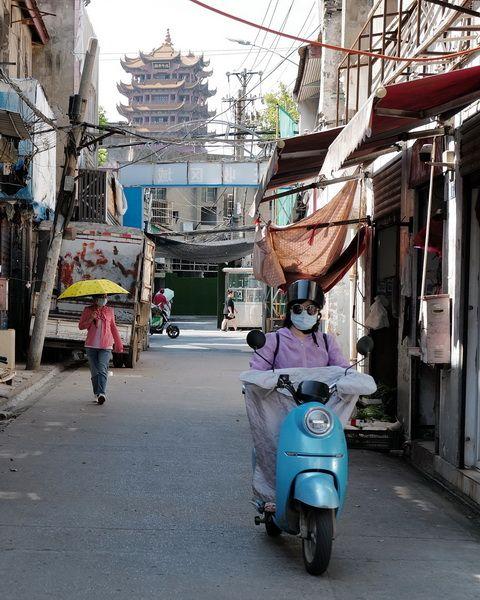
{"x": 12, "y": 125}
{"x": 307, "y": 84}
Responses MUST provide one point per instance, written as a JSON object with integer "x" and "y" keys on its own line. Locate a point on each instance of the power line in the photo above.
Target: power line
{"x": 274, "y": 45}
{"x": 304, "y": 26}
{"x": 350, "y": 51}
{"x": 256, "y": 36}
{"x": 254, "y": 64}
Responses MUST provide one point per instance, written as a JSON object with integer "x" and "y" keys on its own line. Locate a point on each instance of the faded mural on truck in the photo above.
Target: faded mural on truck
{"x": 96, "y": 261}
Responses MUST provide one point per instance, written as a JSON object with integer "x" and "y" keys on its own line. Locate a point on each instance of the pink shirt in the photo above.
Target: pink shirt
{"x": 96, "y": 339}
{"x": 296, "y": 352}
{"x": 109, "y": 335}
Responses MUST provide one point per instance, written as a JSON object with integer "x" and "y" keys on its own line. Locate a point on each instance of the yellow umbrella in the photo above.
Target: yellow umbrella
{"x": 92, "y": 287}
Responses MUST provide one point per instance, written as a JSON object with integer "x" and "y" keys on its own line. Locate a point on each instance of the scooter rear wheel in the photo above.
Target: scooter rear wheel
{"x": 317, "y": 549}
{"x": 270, "y": 526}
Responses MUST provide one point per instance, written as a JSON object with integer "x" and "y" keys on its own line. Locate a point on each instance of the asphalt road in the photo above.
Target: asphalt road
{"x": 147, "y": 497}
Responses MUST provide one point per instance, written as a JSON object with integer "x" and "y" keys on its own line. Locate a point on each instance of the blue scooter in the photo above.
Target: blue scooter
{"x": 311, "y": 468}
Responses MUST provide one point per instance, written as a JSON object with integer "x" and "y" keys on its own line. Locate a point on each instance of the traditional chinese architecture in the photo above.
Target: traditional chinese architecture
{"x": 167, "y": 90}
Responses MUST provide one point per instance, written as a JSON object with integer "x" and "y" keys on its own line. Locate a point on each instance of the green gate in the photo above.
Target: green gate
{"x": 195, "y": 296}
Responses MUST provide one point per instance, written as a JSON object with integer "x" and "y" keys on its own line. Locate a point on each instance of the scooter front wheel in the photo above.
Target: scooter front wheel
{"x": 173, "y": 331}
{"x": 271, "y": 527}
{"x": 317, "y": 549}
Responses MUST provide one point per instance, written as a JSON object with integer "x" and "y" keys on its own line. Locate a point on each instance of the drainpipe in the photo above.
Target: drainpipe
{"x": 353, "y": 325}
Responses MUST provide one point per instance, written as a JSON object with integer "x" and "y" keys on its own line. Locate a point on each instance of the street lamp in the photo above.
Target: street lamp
{"x": 247, "y": 43}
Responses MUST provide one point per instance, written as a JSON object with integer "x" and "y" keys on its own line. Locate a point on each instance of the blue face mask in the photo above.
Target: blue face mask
{"x": 100, "y": 301}
{"x": 303, "y": 321}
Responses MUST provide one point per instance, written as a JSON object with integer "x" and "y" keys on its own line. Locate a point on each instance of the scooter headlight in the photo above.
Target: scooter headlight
{"x": 318, "y": 421}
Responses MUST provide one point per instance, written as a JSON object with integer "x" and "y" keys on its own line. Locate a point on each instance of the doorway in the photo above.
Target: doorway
{"x": 383, "y": 362}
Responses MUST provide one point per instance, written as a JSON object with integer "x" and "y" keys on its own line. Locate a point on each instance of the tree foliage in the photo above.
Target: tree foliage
{"x": 102, "y": 116}
{"x": 102, "y": 153}
{"x": 282, "y": 97}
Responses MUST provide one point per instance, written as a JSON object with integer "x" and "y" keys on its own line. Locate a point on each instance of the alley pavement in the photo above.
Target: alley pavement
{"x": 147, "y": 497}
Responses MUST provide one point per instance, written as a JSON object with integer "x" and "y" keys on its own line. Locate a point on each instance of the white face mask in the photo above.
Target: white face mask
{"x": 303, "y": 321}
{"x": 101, "y": 301}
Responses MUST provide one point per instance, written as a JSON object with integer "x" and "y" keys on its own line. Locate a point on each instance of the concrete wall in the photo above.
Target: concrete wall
{"x": 58, "y": 66}
{"x": 188, "y": 202}
{"x": 354, "y": 16}
{"x": 308, "y": 110}
{"x": 331, "y": 28}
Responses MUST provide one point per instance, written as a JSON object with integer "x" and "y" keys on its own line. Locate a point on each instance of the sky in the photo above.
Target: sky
{"x": 127, "y": 26}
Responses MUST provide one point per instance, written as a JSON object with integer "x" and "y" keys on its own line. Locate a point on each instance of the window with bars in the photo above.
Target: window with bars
{"x": 162, "y": 213}
{"x": 161, "y": 210}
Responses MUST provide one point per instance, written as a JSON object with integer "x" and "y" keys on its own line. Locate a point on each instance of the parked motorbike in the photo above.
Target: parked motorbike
{"x": 160, "y": 322}
{"x": 311, "y": 466}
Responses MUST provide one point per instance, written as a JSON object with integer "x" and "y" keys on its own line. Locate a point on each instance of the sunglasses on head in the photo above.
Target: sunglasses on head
{"x": 311, "y": 309}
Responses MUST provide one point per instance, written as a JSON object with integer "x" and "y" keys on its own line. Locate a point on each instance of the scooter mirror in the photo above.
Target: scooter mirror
{"x": 365, "y": 345}
{"x": 256, "y": 339}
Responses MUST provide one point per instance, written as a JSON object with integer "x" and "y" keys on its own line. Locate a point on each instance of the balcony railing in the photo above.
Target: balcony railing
{"x": 404, "y": 28}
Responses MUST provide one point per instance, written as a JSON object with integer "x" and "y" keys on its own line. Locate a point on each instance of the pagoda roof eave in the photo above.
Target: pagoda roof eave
{"x": 143, "y": 108}
{"x": 158, "y": 85}
{"x": 121, "y": 110}
{"x": 124, "y": 88}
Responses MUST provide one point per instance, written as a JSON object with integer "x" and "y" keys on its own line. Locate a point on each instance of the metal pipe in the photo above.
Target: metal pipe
{"x": 315, "y": 185}
{"x": 347, "y": 90}
{"x": 384, "y": 30}
{"x": 399, "y": 27}
{"x": 427, "y": 228}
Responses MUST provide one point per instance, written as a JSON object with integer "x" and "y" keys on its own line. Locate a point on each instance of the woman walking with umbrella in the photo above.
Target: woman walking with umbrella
{"x": 102, "y": 331}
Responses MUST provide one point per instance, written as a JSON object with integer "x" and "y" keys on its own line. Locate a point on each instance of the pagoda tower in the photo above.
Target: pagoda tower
{"x": 167, "y": 90}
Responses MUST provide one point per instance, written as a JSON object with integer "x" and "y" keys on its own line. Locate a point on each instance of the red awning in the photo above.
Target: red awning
{"x": 405, "y": 106}
{"x": 378, "y": 125}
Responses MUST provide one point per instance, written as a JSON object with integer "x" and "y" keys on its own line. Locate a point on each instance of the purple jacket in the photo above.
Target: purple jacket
{"x": 294, "y": 352}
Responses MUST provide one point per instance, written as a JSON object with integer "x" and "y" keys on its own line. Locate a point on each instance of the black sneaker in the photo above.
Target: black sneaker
{"x": 101, "y": 398}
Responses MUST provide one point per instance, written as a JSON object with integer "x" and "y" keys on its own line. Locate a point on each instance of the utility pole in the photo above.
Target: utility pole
{"x": 64, "y": 207}
{"x": 240, "y": 104}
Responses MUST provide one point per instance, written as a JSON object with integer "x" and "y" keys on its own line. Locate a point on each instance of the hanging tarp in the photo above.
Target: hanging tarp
{"x": 309, "y": 249}
{"x": 207, "y": 252}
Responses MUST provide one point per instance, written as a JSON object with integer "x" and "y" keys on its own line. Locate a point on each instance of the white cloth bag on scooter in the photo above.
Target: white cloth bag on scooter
{"x": 267, "y": 407}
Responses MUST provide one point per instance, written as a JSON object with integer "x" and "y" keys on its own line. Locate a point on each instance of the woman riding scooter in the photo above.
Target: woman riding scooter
{"x": 299, "y": 393}
{"x": 298, "y": 343}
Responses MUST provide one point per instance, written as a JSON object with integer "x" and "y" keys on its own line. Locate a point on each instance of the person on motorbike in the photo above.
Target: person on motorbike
{"x": 299, "y": 343}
